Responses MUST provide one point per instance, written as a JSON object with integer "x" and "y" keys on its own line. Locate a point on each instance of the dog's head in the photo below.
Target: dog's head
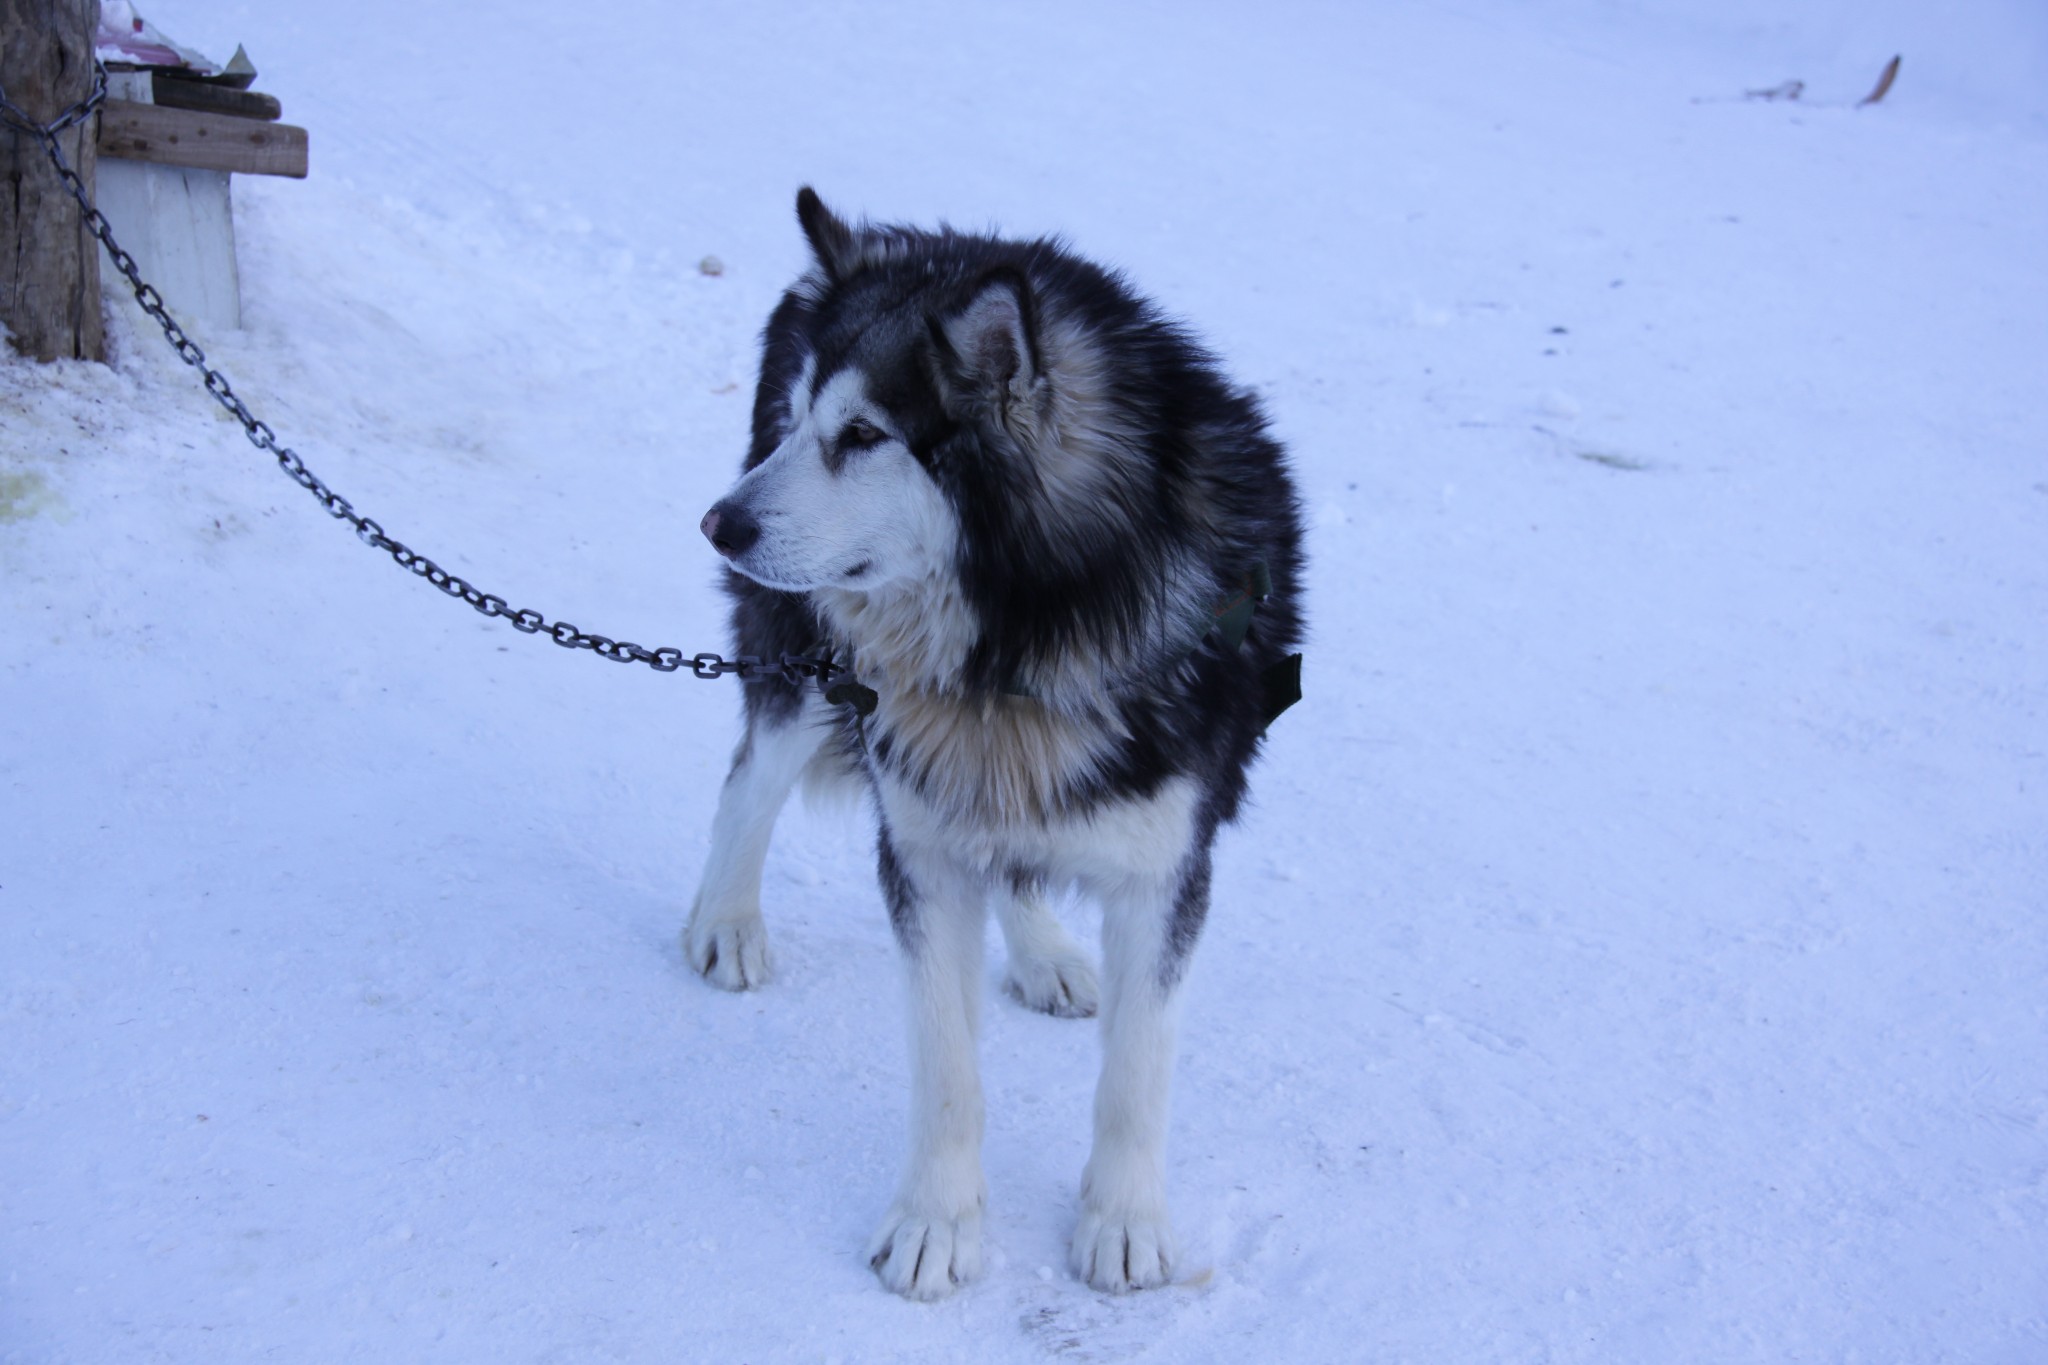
{"x": 999, "y": 429}
{"x": 903, "y": 367}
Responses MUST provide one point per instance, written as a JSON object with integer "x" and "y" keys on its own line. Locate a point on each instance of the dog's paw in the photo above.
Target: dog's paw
{"x": 926, "y": 1258}
{"x": 729, "y": 953}
{"x": 1119, "y": 1254}
{"x": 1059, "y": 983}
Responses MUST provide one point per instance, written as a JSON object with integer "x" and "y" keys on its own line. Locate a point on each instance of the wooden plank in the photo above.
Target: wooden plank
{"x": 212, "y": 142}
{"x": 171, "y": 93}
{"x": 178, "y": 224}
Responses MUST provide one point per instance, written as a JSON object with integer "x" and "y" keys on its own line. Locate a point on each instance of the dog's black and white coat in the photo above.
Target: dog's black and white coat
{"x": 1015, "y": 498}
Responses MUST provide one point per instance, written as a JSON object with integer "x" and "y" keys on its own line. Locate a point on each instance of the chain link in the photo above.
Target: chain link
{"x": 795, "y": 669}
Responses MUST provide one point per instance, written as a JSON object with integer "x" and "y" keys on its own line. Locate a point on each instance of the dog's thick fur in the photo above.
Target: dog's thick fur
{"x": 1012, "y": 495}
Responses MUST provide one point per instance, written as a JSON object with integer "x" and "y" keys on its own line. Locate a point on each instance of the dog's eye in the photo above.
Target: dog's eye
{"x": 861, "y": 435}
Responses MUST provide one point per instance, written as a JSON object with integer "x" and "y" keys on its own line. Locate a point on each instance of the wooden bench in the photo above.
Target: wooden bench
{"x": 168, "y": 147}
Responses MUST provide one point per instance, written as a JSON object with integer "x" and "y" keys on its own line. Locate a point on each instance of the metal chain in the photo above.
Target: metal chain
{"x": 794, "y": 669}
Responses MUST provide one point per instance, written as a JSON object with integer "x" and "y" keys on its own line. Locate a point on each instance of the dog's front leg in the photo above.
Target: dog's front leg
{"x": 725, "y": 939}
{"x": 1125, "y": 1236}
{"x": 931, "y": 1239}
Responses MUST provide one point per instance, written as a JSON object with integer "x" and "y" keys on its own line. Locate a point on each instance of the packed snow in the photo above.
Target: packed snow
{"x": 1637, "y": 949}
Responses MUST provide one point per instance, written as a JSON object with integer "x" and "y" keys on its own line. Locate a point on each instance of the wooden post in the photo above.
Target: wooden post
{"x": 49, "y": 263}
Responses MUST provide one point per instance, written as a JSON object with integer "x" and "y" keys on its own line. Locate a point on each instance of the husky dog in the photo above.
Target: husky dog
{"x": 1061, "y": 555}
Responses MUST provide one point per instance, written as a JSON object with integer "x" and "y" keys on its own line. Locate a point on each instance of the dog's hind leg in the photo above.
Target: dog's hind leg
{"x": 1125, "y": 1236}
{"x": 931, "y": 1239}
{"x": 1048, "y": 971}
{"x": 725, "y": 940}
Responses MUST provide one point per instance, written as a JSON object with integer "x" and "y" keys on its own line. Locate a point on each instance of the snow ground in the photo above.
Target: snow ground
{"x": 1636, "y": 953}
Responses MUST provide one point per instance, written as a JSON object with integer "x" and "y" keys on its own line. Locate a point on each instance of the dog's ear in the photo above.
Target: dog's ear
{"x": 987, "y": 348}
{"x": 834, "y": 243}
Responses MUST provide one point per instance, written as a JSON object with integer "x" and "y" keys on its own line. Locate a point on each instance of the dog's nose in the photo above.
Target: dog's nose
{"x": 730, "y": 530}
